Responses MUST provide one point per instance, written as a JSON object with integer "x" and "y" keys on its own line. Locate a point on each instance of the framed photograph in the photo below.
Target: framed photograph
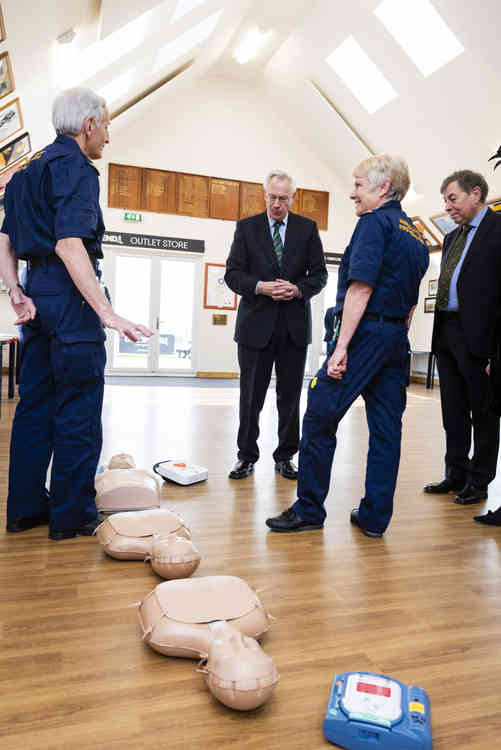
{"x": 432, "y": 287}
{"x": 11, "y": 119}
{"x": 217, "y": 295}
{"x": 6, "y": 76}
{"x": 3, "y": 35}
{"x": 429, "y": 304}
{"x": 15, "y": 150}
{"x": 444, "y": 223}
{"x": 431, "y": 239}
{"x": 495, "y": 205}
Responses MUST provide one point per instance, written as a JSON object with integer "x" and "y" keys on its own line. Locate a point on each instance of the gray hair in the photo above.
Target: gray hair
{"x": 279, "y": 174}
{"x": 384, "y": 167}
{"x": 72, "y": 107}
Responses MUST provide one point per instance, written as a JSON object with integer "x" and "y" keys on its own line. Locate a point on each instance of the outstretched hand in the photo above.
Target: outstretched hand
{"x": 126, "y": 328}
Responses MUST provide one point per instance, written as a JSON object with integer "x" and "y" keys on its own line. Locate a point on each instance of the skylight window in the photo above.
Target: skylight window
{"x": 361, "y": 75}
{"x": 252, "y": 44}
{"x": 421, "y": 32}
{"x": 118, "y": 86}
{"x": 99, "y": 55}
{"x": 185, "y": 6}
{"x": 185, "y": 42}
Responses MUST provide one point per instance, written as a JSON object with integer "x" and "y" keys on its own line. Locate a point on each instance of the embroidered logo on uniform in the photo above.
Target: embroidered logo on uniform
{"x": 314, "y": 382}
{"x": 412, "y": 230}
{"x": 33, "y": 158}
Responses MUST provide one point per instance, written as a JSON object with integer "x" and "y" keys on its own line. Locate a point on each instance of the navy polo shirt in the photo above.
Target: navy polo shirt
{"x": 55, "y": 196}
{"x": 389, "y": 254}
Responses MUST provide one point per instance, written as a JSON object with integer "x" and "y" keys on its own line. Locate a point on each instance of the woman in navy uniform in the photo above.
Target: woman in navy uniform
{"x": 378, "y": 287}
{"x": 53, "y": 220}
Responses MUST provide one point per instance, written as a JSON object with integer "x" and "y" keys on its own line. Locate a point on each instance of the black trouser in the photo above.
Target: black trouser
{"x": 464, "y": 391}
{"x": 255, "y": 372}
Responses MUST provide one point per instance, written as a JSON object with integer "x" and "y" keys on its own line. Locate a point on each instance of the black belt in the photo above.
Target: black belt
{"x": 35, "y": 261}
{"x": 448, "y": 314}
{"x": 386, "y": 318}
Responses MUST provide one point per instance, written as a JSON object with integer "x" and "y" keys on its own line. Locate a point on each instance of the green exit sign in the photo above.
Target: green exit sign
{"x": 133, "y": 216}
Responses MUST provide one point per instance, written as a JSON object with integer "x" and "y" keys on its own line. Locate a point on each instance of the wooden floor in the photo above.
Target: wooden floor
{"x": 422, "y": 605}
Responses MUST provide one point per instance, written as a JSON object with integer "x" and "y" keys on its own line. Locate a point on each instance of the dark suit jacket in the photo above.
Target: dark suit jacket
{"x": 479, "y": 287}
{"x": 252, "y": 259}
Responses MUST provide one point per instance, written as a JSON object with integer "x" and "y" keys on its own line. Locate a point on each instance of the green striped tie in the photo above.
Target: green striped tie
{"x": 277, "y": 241}
{"x": 453, "y": 258}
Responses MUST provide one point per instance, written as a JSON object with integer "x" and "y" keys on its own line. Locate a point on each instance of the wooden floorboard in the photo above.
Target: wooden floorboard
{"x": 422, "y": 605}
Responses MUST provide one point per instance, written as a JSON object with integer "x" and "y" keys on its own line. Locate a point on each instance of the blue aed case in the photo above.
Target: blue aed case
{"x": 369, "y": 710}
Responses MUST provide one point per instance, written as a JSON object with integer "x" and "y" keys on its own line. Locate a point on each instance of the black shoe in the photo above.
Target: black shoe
{"x": 471, "y": 494}
{"x": 286, "y": 469}
{"x": 491, "y": 518}
{"x": 445, "y": 486}
{"x": 289, "y": 521}
{"x": 86, "y": 530}
{"x": 354, "y": 519}
{"x": 241, "y": 469}
{"x": 23, "y": 524}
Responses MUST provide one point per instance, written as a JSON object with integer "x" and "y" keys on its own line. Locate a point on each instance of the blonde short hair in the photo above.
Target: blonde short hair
{"x": 384, "y": 167}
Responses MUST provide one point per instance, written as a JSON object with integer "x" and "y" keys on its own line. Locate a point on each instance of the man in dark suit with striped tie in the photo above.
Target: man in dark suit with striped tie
{"x": 467, "y": 312}
{"x": 276, "y": 264}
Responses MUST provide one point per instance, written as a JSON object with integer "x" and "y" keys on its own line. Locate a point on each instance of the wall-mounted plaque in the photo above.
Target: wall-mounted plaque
{"x": 124, "y": 187}
{"x": 216, "y": 292}
{"x": 219, "y": 320}
{"x": 315, "y": 205}
{"x": 224, "y": 198}
{"x": 251, "y": 199}
{"x": 159, "y": 191}
{"x": 193, "y": 195}
{"x": 296, "y": 205}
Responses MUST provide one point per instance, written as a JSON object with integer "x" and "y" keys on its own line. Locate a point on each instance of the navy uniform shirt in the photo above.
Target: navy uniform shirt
{"x": 54, "y": 196}
{"x": 387, "y": 252}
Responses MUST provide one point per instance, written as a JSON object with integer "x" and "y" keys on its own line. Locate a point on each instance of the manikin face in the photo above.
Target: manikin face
{"x": 462, "y": 207}
{"x": 367, "y": 198}
{"x": 279, "y": 198}
{"x": 97, "y": 136}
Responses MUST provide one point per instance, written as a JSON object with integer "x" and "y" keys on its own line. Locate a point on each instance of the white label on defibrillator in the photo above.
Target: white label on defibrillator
{"x": 373, "y": 695}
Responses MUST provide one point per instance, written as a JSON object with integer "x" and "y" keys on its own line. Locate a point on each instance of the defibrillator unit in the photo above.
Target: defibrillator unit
{"x": 367, "y": 710}
{"x": 177, "y": 470}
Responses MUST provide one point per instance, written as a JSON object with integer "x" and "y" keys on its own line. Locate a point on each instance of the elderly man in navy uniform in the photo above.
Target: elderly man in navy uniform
{"x": 53, "y": 221}
{"x": 377, "y": 291}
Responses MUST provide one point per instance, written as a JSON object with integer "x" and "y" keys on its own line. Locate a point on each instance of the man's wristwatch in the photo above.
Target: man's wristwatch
{"x": 16, "y": 286}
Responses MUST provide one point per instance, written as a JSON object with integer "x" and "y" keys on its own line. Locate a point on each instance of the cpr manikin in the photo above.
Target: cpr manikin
{"x": 215, "y": 619}
{"x": 158, "y": 535}
{"x": 122, "y": 487}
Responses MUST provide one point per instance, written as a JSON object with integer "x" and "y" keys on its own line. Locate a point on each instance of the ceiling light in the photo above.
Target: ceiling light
{"x": 421, "y": 32}
{"x": 185, "y": 6}
{"x": 185, "y": 42}
{"x": 67, "y": 36}
{"x": 251, "y": 45}
{"x": 361, "y": 75}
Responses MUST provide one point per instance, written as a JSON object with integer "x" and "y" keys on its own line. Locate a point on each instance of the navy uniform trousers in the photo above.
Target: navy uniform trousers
{"x": 59, "y": 413}
{"x": 377, "y": 370}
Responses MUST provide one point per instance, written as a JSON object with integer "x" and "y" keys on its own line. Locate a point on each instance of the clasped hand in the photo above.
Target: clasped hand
{"x": 279, "y": 290}
{"x": 338, "y": 363}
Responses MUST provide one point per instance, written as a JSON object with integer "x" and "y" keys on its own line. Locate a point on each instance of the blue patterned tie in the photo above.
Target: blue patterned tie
{"x": 277, "y": 241}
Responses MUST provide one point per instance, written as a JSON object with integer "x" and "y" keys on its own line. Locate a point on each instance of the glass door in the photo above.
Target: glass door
{"x": 319, "y": 304}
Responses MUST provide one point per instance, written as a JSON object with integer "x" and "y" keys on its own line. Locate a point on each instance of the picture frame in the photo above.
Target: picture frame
{"x": 431, "y": 239}
{"x": 443, "y": 223}
{"x": 3, "y": 35}
{"x": 217, "y": 295}
{"x": 14, "y": 151}
{"x": 495, "y": 205}
{"x": 7, "y": 85}
{"x": 429, "y": 304}
{"x": 11, "y": 119}
{"x": 432, "y": 287}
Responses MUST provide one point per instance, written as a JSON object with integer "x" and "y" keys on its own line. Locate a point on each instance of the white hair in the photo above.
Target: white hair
{"x": 73, "y": 106}
{"x": 379, "y": 169}
{"x": 279, "y": 174}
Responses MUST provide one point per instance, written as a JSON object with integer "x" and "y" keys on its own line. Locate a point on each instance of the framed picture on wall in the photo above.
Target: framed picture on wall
{"x": 495, "y": 205}
{"x": 432, "y": 287}
{"x": 217, "y": 295}
{"x": 431, "y": 239}
{"x": 6, "y": 75}
{"x": 15, "y": 150}
{"x": 3, "y": 35}
{"x": 444, "y": 223}
{"x": 11, "y": 119}
{"x": 429, "y": 304}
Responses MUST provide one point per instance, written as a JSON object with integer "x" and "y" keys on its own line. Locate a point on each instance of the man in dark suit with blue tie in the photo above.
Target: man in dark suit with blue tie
{"x": 276, "y": 264}
{"x": 467, "y": 312}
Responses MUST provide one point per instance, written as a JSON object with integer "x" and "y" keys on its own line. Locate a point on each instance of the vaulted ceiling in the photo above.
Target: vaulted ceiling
{"x": 138, "y": 48}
